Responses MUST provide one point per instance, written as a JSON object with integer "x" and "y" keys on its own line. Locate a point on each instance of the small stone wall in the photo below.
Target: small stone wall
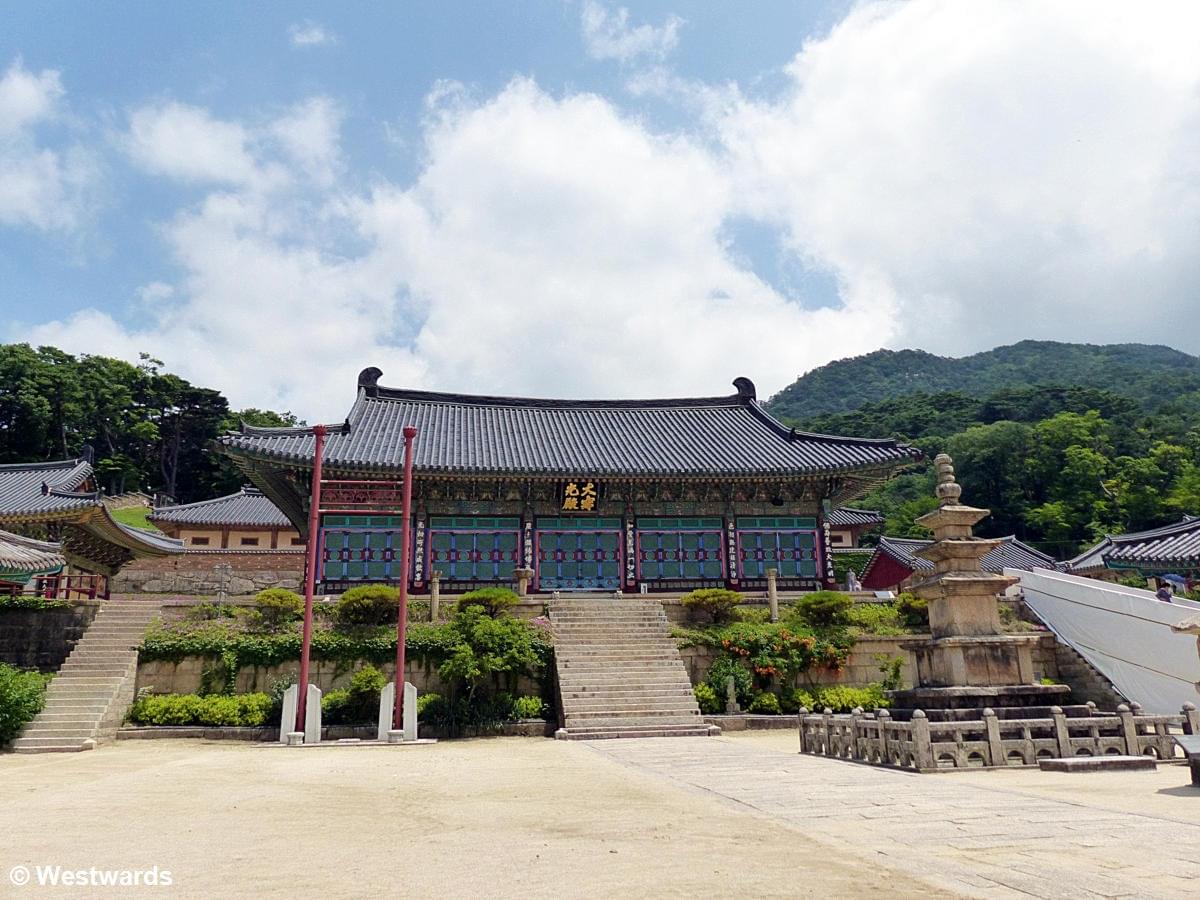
{"x": 195, "y": 572}
{"x": 43, "y": 638}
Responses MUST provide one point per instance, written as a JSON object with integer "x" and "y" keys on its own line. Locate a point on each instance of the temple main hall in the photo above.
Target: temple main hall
{"x": 586, "y": 495}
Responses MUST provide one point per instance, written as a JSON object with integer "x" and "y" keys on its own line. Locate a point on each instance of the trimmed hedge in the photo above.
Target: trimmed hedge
{"x": 192, "y": 709}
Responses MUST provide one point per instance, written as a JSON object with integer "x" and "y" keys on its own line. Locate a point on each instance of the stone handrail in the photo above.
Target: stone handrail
{"x": 990, "y": 741}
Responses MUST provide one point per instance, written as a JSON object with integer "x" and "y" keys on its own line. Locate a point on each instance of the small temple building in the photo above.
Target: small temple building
{"x": 1169, "y": 550}
{"x": 247, "y": 520}
{"x": 896, "y": 563}
{"x": 584, "y": 495}
{"x": 87, "y": 544}
{"x": 848, "y": 524}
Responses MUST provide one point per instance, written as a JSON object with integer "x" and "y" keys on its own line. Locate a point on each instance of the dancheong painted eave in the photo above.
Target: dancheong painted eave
{"x": 462, "y": 434}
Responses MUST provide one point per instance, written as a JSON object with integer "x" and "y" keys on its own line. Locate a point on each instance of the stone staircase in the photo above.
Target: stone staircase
{"x": 619, "y": 672}
{"x": 1086, "y": 683}
{"x": 88, "y": 698}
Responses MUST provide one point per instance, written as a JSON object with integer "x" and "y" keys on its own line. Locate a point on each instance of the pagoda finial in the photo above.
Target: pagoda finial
{"x": 948, "y": 490}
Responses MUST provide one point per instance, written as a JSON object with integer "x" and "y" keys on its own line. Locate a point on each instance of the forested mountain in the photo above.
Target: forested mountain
{"x": 1063, "y": 442}
{"x": 149, "y": 429}
{"x": 1146, "y": 373}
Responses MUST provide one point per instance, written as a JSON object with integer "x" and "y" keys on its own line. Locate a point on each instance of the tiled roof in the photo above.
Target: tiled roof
{"x": 44, "y": 487}
{"x": 848, "y": 516}
{"x": 27, "y": 556}
{"x": 1012, "y": 554}
{"x": 248, "y": 507}
{"x": 45, "y": 492}
{"x": 466, "y": 434}
{"x": 1171, "y": 545}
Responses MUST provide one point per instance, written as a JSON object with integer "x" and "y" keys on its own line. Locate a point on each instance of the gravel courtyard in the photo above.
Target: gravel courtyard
{"x": 741, "y": 815}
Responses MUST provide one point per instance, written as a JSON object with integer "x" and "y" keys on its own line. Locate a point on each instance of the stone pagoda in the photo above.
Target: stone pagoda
{"x": 969, "y": 664}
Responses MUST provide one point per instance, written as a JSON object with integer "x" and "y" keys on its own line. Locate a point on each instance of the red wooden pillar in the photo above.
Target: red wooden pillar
{"x": 405, "y": 540}
{"x": 310, "y": 576}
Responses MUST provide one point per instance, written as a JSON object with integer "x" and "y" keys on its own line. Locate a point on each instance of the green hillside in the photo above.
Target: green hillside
{"x": 1149, "y": 374}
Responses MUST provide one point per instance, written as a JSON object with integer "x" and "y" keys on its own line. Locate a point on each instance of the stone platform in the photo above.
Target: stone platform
{"x": 1100, "y": 764}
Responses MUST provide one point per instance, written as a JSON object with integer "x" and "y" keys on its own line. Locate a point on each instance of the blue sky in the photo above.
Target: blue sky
{"x": 589, "y": 198}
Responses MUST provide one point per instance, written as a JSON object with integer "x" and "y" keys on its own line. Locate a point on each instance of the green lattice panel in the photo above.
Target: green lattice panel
{"x": 793, "y": 553}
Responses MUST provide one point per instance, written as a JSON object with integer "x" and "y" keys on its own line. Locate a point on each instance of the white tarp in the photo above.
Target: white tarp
{"x": 1123, "y": 632}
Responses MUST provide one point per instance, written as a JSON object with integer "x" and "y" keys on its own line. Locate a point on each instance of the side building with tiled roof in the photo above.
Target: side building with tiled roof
{"x": 895, "y": 565}
{"x": 247, "y": 520}
{"x": 61, "y": 499}
{"x": 601, "y": 495}
{"x": 847, "y": 525}
{"x": 1169, "y": 549}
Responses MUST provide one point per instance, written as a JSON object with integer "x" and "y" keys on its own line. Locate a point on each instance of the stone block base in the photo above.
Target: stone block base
{"x": 1099, "y": 764}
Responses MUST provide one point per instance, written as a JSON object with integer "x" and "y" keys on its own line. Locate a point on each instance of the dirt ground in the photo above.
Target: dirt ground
{"x": 491, "y": 817}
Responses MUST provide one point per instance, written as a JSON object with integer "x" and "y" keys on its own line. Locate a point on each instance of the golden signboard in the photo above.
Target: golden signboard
{"x": 580, "y": 496}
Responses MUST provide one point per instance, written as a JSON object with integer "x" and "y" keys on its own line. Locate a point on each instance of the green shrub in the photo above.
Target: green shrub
{"x": 841, "y": 698}
{"x": 278, "y": 606}
{"x": 781, "y": 651}
{"x": 822, "y": 608}
{"x": 275, "y": 690}
{"x": 528, "y": 708}
{"x": 891, "y": 668}
{"x": 424, "y": 701}
{"x": 494, "y": 600}
{"x": 357, "y": 704}
{"x": 710, "y": 704}
{"x": 333, "y": 707}
{"x": 743, "y": 681}
{"x": 754, "y": 615}
{"x": 190, "y": 709}
{"x": 210, "y": 612}
{"x": 875, "y": 618}
{"x": 30, "y": 601}
{"x": 22, "y": 696}
{"x": 914, "y": 611}
{"x": 766, "y": 704}
{"x": 368, "y": 604}
{"x": 714, "y": 605}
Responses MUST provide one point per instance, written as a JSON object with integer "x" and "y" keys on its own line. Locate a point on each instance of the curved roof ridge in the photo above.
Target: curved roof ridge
{"x": 1160, "y": 531}
{"x": 446, "y": 397}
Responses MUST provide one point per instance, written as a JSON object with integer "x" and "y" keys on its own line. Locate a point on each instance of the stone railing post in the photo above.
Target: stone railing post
{"x": 1128, "y": 731}
{"x": 991, "y": 725}
{"x": 731, "y": 704}
{"x": 773, "y": 593}
{"x": 1191, "y": 719}
{"x": 800, "y": 714}
{"x": 1061, "y": 733}
{"x": 856, "y": 715}
{"x": 435, "y": 594}
{"x": 524, "y": 577}
{"x": 922, "y": 741}
{"x": 885, "y": 722}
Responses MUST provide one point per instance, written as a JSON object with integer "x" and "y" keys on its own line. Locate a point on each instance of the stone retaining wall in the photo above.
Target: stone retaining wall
{"x": 862, "y": 668}
{"x": 43, "y": 638}
{"x": 195, "y": 572}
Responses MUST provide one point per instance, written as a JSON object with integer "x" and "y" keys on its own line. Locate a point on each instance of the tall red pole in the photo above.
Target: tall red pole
{"x": 405, "y": 541}
{"x": 310, "y": 573}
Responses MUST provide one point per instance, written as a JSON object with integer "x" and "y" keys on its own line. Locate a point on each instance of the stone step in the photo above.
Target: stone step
{"x": 650, "y": 714}
{"x": 50, "y": 730}
{"x": 619, "y": 691}
{"x": 599, "y": 734}
{"x": 52, "y": 745}
{"x": 65, "y": 720}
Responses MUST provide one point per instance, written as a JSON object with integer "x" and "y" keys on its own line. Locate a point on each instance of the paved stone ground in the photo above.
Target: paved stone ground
{"x": 986, "y": 834}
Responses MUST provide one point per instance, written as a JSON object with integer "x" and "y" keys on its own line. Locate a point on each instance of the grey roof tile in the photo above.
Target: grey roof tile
{"x": 1012, "y": 554}
{"x": 467, "y": 434}
{"x": 248, "y": 507}
{"x": 848, "y": 516}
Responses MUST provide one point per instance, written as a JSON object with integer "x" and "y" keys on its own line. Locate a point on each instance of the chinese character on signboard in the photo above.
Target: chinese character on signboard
{"x": 580, "y": 495}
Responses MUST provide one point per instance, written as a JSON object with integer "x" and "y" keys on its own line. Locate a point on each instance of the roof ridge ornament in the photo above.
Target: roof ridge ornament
{"x": 368, "y": 379}
{"x": 745, "y": 388}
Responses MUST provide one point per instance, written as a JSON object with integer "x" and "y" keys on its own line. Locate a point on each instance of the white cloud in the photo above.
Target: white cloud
{"x": 607, "y": 34}
{"x": 1006, "y": 169}
{"x": 310, "y": 34}
{"x": 41, "y": 187}
{"x": 187, "y": 143}
{"x": 308, "y": 135}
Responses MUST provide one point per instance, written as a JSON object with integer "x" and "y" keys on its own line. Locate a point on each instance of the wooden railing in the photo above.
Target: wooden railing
{"x": 989, "y": 740}
{"x": 58, "y": 587}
